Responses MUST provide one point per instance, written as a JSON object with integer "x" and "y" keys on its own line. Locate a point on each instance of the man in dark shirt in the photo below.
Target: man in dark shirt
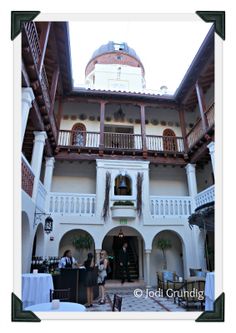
{"x": 124, "y": 263}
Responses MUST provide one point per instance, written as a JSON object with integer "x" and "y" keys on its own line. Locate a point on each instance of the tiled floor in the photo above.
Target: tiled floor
{"x": 142, "y": 303}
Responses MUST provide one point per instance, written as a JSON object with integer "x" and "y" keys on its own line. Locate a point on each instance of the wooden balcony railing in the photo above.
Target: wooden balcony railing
{"x": 27, "y": 177}
{"x": 120, "y": 141}
{"x": 197, "y": 132}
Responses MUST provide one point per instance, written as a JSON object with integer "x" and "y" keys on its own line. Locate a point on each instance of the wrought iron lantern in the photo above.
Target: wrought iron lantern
{"x": 120, "y": 235}
{"x": 48, "y": 226}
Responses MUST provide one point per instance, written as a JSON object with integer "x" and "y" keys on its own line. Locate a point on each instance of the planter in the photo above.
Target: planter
{"x": 128, "y": 212}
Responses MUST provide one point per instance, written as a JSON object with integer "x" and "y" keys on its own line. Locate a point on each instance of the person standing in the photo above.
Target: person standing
{"x": 90, "y": 279}
{"x": 67, "y": 261}
{"x": 124, "y": 263}
{"x": 102, "y": 274}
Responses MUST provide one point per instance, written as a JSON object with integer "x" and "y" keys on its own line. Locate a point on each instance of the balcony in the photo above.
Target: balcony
{"x": 27, "y": 176}
{"x": 170, "y": 207}
{"x": 206, "y": 196}
{"x": 119, "y": 142}
{"x": 72, "y": 204}
{"x": 198, "y": 132}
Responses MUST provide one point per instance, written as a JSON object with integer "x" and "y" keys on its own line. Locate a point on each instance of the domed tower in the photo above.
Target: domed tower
{"x": 115, "y": 66}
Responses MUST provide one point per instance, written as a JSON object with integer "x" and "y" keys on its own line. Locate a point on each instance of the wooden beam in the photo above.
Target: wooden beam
{"x": 43, "y": 44}
{"x": 59, "y": 111}
{"x": 183, "y": 128}
{"x": 143, "y": 129}
{"x": 102, "y": 120}
{"x": 54, "y": 88}
{"x": 202, "y": 105}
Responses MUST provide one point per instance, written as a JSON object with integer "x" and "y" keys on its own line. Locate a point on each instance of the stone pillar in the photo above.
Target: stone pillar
{"x": 211, "y": 148}
{"x": 147, "y": 255}
{"x": 97, "y": 252}
{"x": 48, "y": 173}
{"x": 27, "y": 96}
{"x": 192, "y": 181}
{"x": 37, "y": 156}
{"x": 140, "y": 258}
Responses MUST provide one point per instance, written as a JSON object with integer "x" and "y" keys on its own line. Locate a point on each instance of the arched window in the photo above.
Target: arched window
{"x": 169, "y": 140}
{"x": 79, "y": 135}
{"x": 123, "y": 185}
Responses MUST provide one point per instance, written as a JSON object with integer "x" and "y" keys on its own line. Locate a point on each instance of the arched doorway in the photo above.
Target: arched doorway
{"x": 113, "y": 242}
{"x": 79, "y": 241}
{"x": 25, "y": 242}
{"x": 38, "y": 244}
{"x": 174, "y": 254}
{"x": 169, "y": 140}
{"x": 79, "y": 135}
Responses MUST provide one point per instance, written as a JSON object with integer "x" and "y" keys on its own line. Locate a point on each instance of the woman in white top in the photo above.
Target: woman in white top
{"x": 102, "y": 274}
{"x": 67, "y": 261}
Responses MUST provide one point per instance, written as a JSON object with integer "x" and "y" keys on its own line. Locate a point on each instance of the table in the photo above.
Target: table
{"x": 210, "y": 291}
{"x": 36, "y": 288}
{"x": 64, "y": 306}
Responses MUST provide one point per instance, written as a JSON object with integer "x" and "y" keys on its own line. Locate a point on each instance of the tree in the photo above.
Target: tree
{"x": 163, "y": 245}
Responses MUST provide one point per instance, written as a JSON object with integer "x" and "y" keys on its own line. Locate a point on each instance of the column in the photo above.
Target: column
{"x": 140, "y": 257}
{"x": 147, "y": 255}
{"x": 211, "y": 148}
{"x": 143, "y": 128}
{"x": 102, "y": 119}
{"x": 97, "y": 252}
{"x": 37, "y": 157}
{"x": 26, "y": 102}
{"x": 43, "y": 44}
{"x": 202, "y": 105}
{"x": 48, "y": 173}
{"x": 191, "y": 178}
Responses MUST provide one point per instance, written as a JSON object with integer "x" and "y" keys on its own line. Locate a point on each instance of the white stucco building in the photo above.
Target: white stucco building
{"x": 75, "y": 143}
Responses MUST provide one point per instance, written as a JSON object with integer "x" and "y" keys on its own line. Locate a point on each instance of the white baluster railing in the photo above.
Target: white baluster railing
{"x": 206, "y": 196}
{"x": 177, "y": 206}
{"x": 72, "y": 204}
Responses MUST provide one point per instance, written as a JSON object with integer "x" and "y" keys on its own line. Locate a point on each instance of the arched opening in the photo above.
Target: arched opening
{"x": 79, "y": 135}
{"x": 38, "y": 244}
{"x": 123, "y": 185}
{"x": 173, "y": 255}
{"x": 25, "y": 242}
{"x": 79, "y": 241}
{"x": 113, "y": 242}
{"x": 169, "y": 140}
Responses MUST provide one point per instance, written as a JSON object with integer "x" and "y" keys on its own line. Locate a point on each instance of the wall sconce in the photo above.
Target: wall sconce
{"x": 48, "y": 223}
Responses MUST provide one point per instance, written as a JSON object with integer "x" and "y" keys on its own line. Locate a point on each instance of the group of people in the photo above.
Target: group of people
{"x": 103, "y": 269}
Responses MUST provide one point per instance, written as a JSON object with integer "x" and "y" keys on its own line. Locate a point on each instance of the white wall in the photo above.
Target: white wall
{"x": 168, "y": 181}
{"x": 76, "y": 177}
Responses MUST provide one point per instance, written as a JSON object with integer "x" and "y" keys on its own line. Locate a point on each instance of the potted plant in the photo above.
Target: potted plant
{"x": 163, "y": 245}
{"x": 123, "y": 209}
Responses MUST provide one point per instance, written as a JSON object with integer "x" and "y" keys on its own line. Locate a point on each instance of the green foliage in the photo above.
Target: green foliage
{"x": 82, "y": 242}
{"x": 123, "y": 203}
{"x": 163, "y": 244}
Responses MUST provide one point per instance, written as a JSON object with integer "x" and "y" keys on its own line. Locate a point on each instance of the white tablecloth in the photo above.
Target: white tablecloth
{"x": 36, "y": 288}
{"x": 210, "y": 291}
{"x": 64, "y": 306}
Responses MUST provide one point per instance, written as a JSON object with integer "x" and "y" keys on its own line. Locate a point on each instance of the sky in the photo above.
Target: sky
{"x": 166, "y": 49}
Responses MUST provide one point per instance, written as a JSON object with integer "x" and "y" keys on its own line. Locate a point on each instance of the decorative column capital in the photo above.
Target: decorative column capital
{"x": 27, "y": 95}
{"x": 190, "y": 168}
{"x": 50, "y": 162}
{"x": 211, "y": 147}
{"x": 40, "y": 136}
{"x": 148, "y": 251}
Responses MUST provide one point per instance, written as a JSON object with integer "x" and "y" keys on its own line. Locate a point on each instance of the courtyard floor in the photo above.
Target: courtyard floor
{"x": 144, "y": 301}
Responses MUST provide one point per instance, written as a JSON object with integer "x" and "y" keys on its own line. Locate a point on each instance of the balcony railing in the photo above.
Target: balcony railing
{"x": 72, "y": 204}
{"x": 27, "y": 177}
{"x": 120, "y": 141}
{"x": 197, "y": 132}
{"x": 206, "y": 196}
{"x": 168, "y": 207}
{"x": 41, "y": 196}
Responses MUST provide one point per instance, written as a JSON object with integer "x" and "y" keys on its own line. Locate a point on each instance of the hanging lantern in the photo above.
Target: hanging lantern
{"x": 120, "y": 235}
{"x": 48, "y": 226}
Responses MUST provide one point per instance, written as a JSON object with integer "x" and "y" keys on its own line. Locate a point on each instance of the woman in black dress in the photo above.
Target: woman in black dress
{"x": 90, "y": 279}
